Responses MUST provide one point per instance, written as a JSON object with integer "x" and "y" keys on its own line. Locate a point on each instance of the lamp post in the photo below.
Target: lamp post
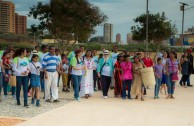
{"x": 182, "y": 8}
{"x": 147, "y": 26}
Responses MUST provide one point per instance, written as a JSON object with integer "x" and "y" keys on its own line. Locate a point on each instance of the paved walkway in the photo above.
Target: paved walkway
{"x": 97, "y": 111}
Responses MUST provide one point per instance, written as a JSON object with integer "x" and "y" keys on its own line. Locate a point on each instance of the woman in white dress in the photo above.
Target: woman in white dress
{"x": 87, "y": 87}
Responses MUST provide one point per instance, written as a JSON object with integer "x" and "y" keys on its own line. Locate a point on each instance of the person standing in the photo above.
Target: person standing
{"x": 77, "y": 67}
{"x": 22, "y": 69}
{"x": 87, "y": 87}
{"x": 127, "y": 76}
{"x": 2, "y": 73}
{"x": 117, "y": 75}
{"x": 164, "y": 80}
{"x": 95, "y": 59}
{"x": 114, "y": 56}
{"x": 44, "y": 52}
{"x": 51, "y": 69}
{"x": 158, "y": 70}
{"x": 191, "y": 71}
{"x": 172, "y": 68}
{"x": 184, "y": 62}
{"x": 105, "y": 72}
{"x": 137, "y": 87}
{"x": 35, "y": 68}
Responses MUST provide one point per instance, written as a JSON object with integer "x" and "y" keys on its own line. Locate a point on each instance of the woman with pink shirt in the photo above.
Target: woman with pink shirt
{"x": 127, "y": 77}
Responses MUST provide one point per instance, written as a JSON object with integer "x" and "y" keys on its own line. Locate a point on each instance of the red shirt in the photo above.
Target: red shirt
{"x": 6, "y": 61}
{"x": 148, "y": 62}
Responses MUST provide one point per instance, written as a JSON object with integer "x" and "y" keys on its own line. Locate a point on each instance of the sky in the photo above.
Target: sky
{"x": 122, "y": 12}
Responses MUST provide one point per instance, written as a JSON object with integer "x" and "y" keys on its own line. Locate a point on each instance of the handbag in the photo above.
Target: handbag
{"x": 175, "y": 77}
{"x": 12, "y": 80}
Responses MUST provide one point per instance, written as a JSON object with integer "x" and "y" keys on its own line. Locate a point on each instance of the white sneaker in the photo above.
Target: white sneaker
{"x": 105, "y": 97}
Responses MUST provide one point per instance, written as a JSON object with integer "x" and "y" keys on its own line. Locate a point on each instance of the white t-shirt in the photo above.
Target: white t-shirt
{"x": 106, "y": 70}
{"x": 41, "y": 56}
{"x": 80, "y": 65}
{"x": 33, "y": 69}
{"x": 65, "y": 67}
{"x": 20, "y": 65}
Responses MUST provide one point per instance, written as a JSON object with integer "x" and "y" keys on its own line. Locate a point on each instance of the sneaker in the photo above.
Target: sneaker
{"x": 48, "y": 100}
{"x": 26, "y": 105}
{"x": 78, "y": 99}
{"x": 130, "y": 98}
{"x": 38, "y": 103}
{"x": 32, "y": 102}
{"x": 190, "y": 85}
{"x": 5, "y": 97}
{"x": 56, "y": 100}
{"x": 95, "y": 89}
{"x": 14, "y": 96}
{"x": 155, "y": 97}
{"x": 158, "y": 97}
{"x": 123, "y": 98}
{"x": 105, "y": 97}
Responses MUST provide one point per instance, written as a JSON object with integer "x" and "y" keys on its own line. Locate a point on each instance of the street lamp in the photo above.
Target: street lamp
{"x": 182, "y": 8}
{"x": 147, "y": 26}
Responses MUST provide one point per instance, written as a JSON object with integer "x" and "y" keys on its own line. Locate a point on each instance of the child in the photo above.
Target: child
{"x": 158, "y": 70}
{"x": 64, "y": 68}
{"x": 35, "y": 67}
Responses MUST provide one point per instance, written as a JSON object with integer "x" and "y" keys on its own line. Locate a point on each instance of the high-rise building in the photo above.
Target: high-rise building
{"x": 108, "y": 32}
{"x": 118, "y": 38}
{"x": 7, "y": 17}
{"x": 21, "y": 24}
{"x": 130, "y": 39}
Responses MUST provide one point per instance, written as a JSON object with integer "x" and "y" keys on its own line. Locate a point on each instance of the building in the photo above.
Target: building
{"x": 21, "y": 24}
{"x": 118, "y": 38}
{"x": 7, "y": 17}
{"x": 108, "y": 32}
{"x": 130, "y": 39}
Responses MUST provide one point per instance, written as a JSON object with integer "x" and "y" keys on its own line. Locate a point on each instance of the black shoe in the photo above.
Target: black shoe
{"x": 181, "y": 84}
{"x": 56, "y": 100}
{"x": 48, "y": 100}
{"x": 190, "y": 85}
{"x": 67, "y": 91}
{"x": 26, "y": 105}
{"x": 18, "y": 103}
{"x": 63, "y": 90}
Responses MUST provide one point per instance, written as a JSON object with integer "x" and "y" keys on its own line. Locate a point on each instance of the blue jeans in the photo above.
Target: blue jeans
{"x": 128, "y": 84}
{"x": 171, "y": 85}
{"x": 1, "y": 81}
{"x": 5, "y": 84}
{"x": 76, "y": 82}
{"x": 42, "y": 80}
{"x": 22, "y": 80}
{"x": 157, "y": 86}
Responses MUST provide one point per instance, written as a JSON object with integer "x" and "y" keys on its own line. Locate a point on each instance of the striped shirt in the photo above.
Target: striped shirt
{"x": 50, "y": 62}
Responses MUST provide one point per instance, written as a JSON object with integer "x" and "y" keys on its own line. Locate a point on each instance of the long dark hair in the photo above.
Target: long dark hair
{"x": 76, "y": 54}
{"x": 19, "y": 52}
{"x": 86, "y": 54}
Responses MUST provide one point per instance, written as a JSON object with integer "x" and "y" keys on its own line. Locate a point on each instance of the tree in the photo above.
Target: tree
{"x": 68, "y": 19}
{"x": 160, "y": 28}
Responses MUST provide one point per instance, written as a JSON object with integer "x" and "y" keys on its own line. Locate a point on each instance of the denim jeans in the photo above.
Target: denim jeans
{"x": 157, "y": 86}
{"x": 5, "y": 84}
{"x": 128, "y": 84}
{"x": 42, "y": 80}
{"x": 22, "y": 80}
{"x": 171, "y": 85}
{"x": 1, "y": 81}
{"x": 94, "y": 78}
{"x": 76, "y": 82}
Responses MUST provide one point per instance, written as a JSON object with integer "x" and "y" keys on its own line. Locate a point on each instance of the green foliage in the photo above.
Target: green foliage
{"x": 68, "y": 19}
{"x": 159, "y": 28}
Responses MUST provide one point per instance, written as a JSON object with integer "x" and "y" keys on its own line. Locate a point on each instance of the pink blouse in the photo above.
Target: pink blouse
{"x": 127, "y": 68}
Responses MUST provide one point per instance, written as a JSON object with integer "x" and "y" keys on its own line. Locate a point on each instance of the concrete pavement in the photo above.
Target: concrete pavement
{"x": 97, "y": 111}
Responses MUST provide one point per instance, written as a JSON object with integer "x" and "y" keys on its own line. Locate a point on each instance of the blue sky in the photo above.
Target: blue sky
{"x": 122, "y": 12}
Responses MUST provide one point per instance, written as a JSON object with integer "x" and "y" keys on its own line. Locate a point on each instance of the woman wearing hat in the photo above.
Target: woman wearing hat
{"x": 105, "y": 71}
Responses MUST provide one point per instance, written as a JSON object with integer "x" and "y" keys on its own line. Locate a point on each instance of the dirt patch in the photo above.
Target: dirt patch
{"x": 10, "y": 121}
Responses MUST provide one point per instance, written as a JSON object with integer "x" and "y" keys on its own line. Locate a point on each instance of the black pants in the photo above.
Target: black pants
{"x": 69, "y": 80}
{"x": 105, "y": 81}
{"x": 94, "y": 77}
{"x": 184, "y": 78}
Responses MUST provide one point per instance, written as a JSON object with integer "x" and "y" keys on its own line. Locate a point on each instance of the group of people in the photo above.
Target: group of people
{"x": 86, "y": 71}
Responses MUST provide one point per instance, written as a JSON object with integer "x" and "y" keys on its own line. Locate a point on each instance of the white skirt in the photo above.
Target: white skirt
{"x": 87, "y": 85}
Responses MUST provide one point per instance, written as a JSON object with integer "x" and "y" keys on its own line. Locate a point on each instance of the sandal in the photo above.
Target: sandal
{"x": 136, "y": 97}
{"x": 168, "y": 97}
